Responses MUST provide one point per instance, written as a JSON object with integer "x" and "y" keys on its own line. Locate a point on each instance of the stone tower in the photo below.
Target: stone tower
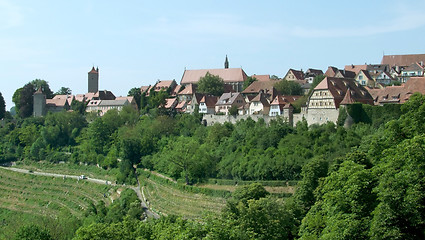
{"x": 93, "y": 81}
{"x": 39, "y": 104}
{"x": 226, "y": 63}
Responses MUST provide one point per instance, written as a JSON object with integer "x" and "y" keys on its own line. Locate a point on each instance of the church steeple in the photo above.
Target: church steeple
{"x": 226, "y": 63}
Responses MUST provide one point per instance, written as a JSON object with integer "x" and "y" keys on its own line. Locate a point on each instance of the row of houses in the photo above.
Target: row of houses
{"x": 366, "y": 83}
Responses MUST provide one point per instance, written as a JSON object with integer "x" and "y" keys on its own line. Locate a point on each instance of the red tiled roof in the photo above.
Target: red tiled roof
{"x": 338, "y": 88}
{"x": 170, "y": 102}
{"x": 257, "y": 86}
{"x": 402, "y": 60}
{"x": 210, "y": 101}
{"x": 188, "y": 90}
{"x": 58, "y": 102}
{"x": 93, "y": 70}
{"x": 144, "y": 89}
{"x": 355, "y": 68}
{"x": 347, "y": 98}
{"x": 228, "y": 75}
{"x": 261, "y": 78}
{"x": 331, "y": 71}
{"x": 399, "y": 94}
{"x": 164, "y": 84}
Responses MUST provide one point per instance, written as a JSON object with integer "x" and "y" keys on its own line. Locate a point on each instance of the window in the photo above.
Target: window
{"x": 360, "y": 77}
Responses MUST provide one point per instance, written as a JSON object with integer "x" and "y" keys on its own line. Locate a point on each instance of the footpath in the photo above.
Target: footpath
{"x": 147, "y": 211}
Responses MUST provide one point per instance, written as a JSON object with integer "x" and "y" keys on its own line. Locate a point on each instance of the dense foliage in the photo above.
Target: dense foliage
{"x": 211, "y": 84}
{"x": 286, "y": 87}
{"x": 362, "y": 182}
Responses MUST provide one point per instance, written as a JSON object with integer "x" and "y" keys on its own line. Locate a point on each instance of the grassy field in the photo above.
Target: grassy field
{"x": 48, "y": 196}
{"x": 70, "y": 169}
{"x": 171, "y": 201}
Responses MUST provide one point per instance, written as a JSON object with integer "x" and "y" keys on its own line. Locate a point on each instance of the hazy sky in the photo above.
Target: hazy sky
{"x": 135, "y": 43}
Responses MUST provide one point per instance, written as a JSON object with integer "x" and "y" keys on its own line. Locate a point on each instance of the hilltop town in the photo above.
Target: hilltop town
{"x": 318, "y": 96}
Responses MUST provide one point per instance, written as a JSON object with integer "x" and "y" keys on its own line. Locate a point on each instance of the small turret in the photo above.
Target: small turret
{"x": 226, "y": 63}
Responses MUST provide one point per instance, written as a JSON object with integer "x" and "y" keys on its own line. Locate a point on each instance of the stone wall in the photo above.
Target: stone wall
{"x": 313, "y": 116}
{"x": 210, "y": 119}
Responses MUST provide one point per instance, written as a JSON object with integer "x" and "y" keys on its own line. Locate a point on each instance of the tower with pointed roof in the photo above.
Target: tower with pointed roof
{"x": 39, "y": 103}
{"x": 226, "y": 63}
{"x": 93, "y": 80}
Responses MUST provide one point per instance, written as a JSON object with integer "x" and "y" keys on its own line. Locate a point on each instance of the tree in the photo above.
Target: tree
{"x": 25, "y": 100}
{"x": 233, "y": 110}
{"x": 288, "y": 87}
{"x": 317, "y": 79}
{"x": 137, "y": 94}
{"x": 44, "y": 85}
{"x": 63, "y": 91}
{"x": 2, "y": 107}
{"x": 32, "y": 232}
{"x": 23, "y": 97}
{"x": 248, "y": 81}
{"x": 211, "y": 84}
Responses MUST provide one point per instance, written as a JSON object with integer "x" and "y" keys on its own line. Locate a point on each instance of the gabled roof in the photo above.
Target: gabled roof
{"x": 176, "y": 90}
{"x": 378, "y": 67}
{"x": 103, "y": 95}
{"x": 188, "y": 90}
{"x": 58, "y": 102}
{"x": 299, "y": 75}
{"x": 261, "y": 78}
{"x": 331, "y": 71}
{"x": 69, "y": 98}
{"x": 348, "y": 99}
{"x": 278, "y": 100}
{"x": 257, "y": 86}
{"x": 402, "y": 60}
{"x": 121, "y": 102}
{"x": 210, "y": 101}
{"x": 414, "y": 67}
{"x": 144, "y": 89}
{"x": 365, "y": 73}
{"x": 347, "y": 74}
{"x": 170, "y": 103}
{"x": 261, "y": 98}
{"x": 338, "y": 88}
{"x": 314, "y": 71}
{"x": 399, "y": 94}
{"x": 355, "y": 68}
{"x": 164, "y": 84}
{"x": 181, "y": 105}
{"x": 227, "y": 98}
{"x": 228, "y": 75}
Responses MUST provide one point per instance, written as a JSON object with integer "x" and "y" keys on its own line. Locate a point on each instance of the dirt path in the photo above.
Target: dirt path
{"x": 148, "y": 212}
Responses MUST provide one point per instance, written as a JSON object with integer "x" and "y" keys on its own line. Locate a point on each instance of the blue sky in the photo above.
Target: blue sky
{"x": 135, "y": 43}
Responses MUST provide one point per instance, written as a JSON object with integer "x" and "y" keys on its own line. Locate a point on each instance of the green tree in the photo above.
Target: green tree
{"x": 248, "y": 81}
{"x": 233, "y": 110}
{"x": 63, "y": 91}
{"x": 288, "y": 87}
{"x": 400, "y": 213}
{"x": 44, "y": 85}
{"x": 32, "y": 232}
{"x": 78, "y": 106}
{"x": 211, "y": 84}
{"x": 25, "y": 100}
{"x": 137, "y": 94}
{"x": 2, "y": 107}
